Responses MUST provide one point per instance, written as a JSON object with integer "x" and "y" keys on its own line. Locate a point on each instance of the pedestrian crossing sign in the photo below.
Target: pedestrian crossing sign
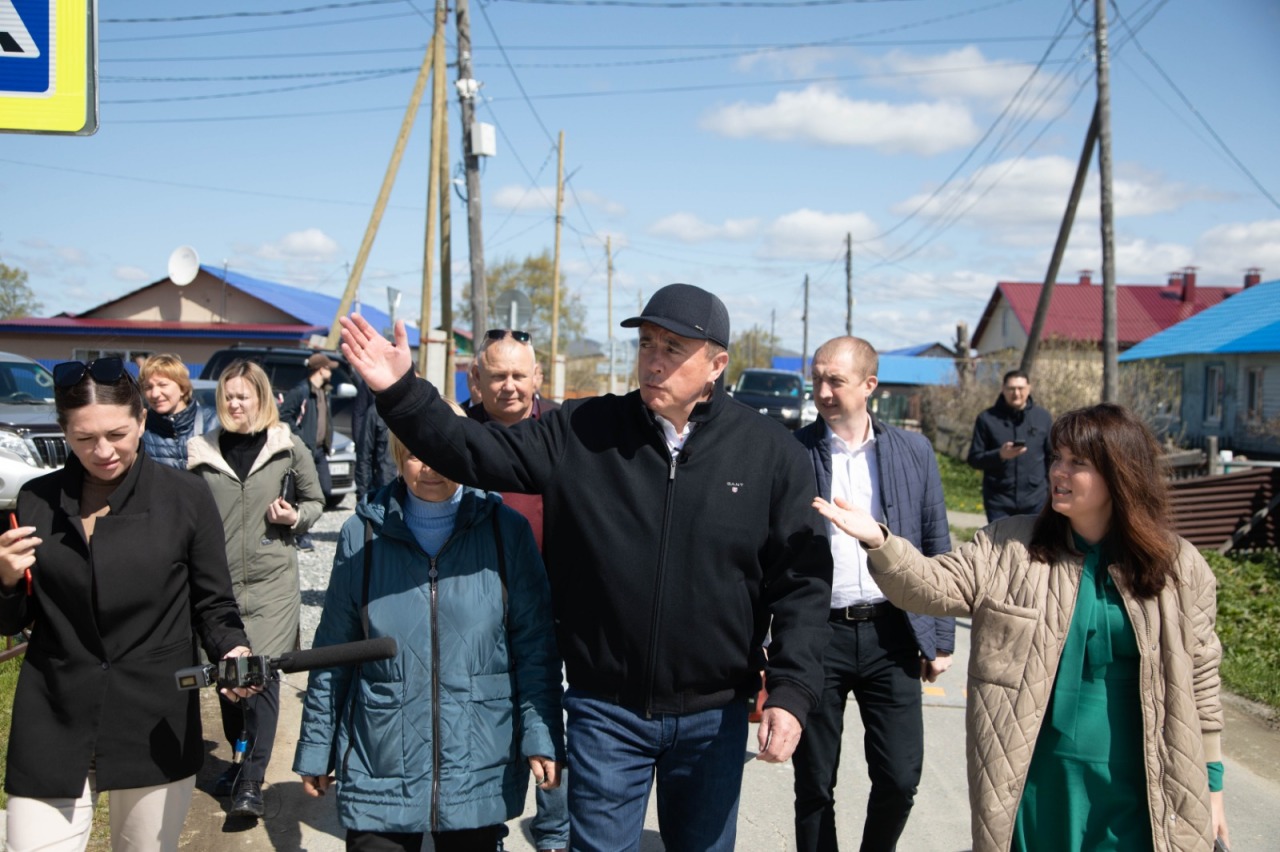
{"x": 48, "y": 66}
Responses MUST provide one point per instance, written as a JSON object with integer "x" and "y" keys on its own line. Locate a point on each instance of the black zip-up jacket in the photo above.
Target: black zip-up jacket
{"x": 665, "y": 574}
{"x": 1019, "y": 486}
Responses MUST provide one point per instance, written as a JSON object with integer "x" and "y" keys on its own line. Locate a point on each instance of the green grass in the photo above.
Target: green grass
{"x": 961, "y": 484}
{"x": 8, "y": 682}
{"x": 1249, "y": 623}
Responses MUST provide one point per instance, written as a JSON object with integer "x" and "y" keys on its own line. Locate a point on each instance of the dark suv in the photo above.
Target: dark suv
{"x": 780, "y": 394}
{"x": 286, "y": 367}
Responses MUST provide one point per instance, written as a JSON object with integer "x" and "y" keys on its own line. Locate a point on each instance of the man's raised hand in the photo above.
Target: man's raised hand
{"x": 378, "y": 362}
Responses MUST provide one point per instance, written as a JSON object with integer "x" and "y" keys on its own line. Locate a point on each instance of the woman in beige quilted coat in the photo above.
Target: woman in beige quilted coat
{"x": 1093, "y": 712}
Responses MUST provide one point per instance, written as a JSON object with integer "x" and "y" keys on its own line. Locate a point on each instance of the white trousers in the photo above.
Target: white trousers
{"x": 143, "y": 819}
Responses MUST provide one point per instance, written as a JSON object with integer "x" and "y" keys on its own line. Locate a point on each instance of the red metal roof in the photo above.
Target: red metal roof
{"x": 1075, "y": 310}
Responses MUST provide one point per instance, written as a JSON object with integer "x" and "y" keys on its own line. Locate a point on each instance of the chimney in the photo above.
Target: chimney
{"x": 1189, "y": 284}
{"x": 1252, "y": 276}
{"x": 1086, "y": 277}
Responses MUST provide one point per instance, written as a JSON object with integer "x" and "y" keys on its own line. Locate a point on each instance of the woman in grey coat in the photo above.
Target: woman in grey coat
{"x": 245, "y": 462}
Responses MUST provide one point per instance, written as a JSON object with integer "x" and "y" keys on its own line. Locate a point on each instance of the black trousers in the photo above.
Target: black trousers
{"x": 322, "y": 471}
{"x": 467, "y": 840}
{"x": 257, "y": 715}
{"x": 879, "y": 662}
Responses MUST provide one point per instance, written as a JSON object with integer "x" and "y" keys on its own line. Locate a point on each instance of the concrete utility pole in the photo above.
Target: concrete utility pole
{"x": 804, "y": 347}
{"x": 379, "y": 206}
{"x": 608, "y": 253}
{"x": 555, "y": 273}
{"x": 1110, "y": 345}
{"x": 446, "y": 202}
{"x": 467, "y": 88}
{"x": 1059, "y": 247}
{"x": 433, "y": 195}
{"x": 848, "y": 284}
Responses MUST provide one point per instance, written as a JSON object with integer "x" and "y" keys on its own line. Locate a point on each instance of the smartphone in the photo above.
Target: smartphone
{"x": 289, "y": 487}
{"x": 1019, "y": 443}
{"x": 1219, "y": 846}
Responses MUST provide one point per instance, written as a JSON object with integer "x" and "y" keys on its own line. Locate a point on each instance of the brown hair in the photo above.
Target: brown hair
{"x": 1140, "y": 539}
{"x": 863, "y": 356}
{"x": 254, "y": 376}
{"x": 169, "y": 367}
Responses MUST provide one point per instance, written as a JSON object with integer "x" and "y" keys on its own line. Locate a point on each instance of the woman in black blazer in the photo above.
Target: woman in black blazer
{"x": 117, "y": 560}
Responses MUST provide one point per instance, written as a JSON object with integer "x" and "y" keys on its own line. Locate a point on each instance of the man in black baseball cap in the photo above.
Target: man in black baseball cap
{"x": 677, "y": 530}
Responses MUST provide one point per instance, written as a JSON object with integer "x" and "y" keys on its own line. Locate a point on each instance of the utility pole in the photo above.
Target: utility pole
{"x": 379, "y": 206}
{"x": 1110, "y": 345}
{"x": 804, "y": 347}
{"x": 433, "y": 195}
{"x": 1059, "y": 247}
{"x": 467, "y": 88}
{"x": 848, "y": 284}
{"x": 446, "y": 202}
{"x": 555, "y": 274}
{"x": 608, "y": 253}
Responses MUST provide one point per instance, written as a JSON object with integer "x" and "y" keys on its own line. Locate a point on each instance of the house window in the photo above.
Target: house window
{"x": 1254, "y": 379}
{"x": 1214, "y": 391}
{"x": 1169, "y": 404}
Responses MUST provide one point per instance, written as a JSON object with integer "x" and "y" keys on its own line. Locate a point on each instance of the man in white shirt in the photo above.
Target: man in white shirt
{"x": 877, "y": 651}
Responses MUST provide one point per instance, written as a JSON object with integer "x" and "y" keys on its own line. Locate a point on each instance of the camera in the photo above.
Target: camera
{"x": 227, "y": 674}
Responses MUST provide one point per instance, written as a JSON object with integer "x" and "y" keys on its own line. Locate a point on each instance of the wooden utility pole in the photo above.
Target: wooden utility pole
{"x": 804, "y": 347}
{"x": 1110, "y": 345}
{"x": 467, "y": 88}
{"x": 379, "y": 206}
{"x": 555, "y": 274}
{"x": 848, "y": 284}
{"x": 1059, "y": 247}
{"x": 433, "y": 196}
{"x": 446, "y": 202}
{"x": 608, "y": 253}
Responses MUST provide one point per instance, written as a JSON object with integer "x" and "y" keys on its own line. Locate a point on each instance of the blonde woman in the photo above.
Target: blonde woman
{"x": 173, "y": 415}
{"x": 245, "y": 461}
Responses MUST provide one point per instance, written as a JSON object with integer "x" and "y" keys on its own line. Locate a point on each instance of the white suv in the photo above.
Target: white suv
{"x": 31, "y": 442}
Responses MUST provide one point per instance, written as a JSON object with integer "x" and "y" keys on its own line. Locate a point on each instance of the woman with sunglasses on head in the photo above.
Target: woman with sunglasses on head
{"x": 115, "y": 564}
{"x": 1094, "y": 720}
{"x": 173, "y": 415}
{"x": 246, "y": 462}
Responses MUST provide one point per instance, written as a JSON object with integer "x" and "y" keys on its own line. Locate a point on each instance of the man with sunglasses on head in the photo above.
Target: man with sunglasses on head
{"x": 504, "y": 378}
{"x": 677, "y": 532}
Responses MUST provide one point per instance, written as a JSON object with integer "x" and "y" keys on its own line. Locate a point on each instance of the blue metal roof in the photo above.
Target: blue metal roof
{"x": 314, "y": 308}
{"x": 897, "y": 369}
{"x": 1248, "y": 321}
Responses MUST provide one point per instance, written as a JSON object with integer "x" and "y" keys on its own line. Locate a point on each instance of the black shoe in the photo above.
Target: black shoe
{"x": 226, "y": 781}
{"x": 303, "y": 542}
{"x": 247, "y": 799}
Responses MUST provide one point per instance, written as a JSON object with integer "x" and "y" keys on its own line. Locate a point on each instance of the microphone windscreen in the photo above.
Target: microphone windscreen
{"x": 330, "y": 656}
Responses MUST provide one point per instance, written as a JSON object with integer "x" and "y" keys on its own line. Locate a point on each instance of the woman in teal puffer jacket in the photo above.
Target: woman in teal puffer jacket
{"x": 441, "y": 738}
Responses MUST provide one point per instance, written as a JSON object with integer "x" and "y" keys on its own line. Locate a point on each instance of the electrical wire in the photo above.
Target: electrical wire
{"x": 258, "y": 14}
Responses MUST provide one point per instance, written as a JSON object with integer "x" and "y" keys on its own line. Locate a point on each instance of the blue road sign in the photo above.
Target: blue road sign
{"x": 26, "y": 53}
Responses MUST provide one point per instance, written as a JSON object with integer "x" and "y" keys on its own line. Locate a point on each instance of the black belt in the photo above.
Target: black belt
{"x": 862, "y": 612}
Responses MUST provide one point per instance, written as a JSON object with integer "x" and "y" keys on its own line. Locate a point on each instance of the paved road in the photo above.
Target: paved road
{"x": 939, "y": 823}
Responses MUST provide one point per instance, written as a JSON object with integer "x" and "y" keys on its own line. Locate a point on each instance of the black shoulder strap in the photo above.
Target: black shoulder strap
{"x": 364, "y": 582}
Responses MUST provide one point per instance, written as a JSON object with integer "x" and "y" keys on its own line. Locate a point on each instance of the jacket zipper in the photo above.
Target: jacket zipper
{"x": 435, "y": 694}
{"x": 657, "y": 588}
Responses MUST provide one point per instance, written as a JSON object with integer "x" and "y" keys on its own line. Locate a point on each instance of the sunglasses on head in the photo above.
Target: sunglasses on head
{"x": 104, "y": 371}
{"x": 500, "y": 333}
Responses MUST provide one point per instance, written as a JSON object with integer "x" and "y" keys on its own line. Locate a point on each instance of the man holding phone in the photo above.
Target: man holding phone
{"x": 1011, "y": 447}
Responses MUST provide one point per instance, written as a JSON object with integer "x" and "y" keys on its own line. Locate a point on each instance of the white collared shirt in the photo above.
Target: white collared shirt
{"x": 855, "y": 478}
{"x": 675, "y": 440}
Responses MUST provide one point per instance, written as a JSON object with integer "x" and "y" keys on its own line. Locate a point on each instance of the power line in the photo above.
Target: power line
{"x": 707, "y": 4}
{"x": 251, "y": 30}
{"x": 259, "y": 14}
{"x": 274, "y": 91}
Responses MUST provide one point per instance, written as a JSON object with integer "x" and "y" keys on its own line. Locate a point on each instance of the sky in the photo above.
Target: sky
{"x": 732, "y": 145}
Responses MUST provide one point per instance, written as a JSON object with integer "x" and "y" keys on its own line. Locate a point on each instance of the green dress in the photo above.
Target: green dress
{"x": 1087, "y": 786}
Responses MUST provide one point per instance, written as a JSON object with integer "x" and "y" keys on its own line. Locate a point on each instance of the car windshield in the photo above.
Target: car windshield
{"x": 771, "y": 384}
{"x": 25, "y": 382}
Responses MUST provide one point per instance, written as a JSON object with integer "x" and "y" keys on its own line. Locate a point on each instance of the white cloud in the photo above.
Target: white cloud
{"x": 787, "y": 62}
{"x": 524, "y": 198}
{"x": 967, "y": 74}
{"x": 1225, "y": 251}
{"x": 814, "y": 235}
{"x": 132, "y": 274}
{"x": 688, "y": 228}
{"x": 311, "y": 244}
{"x": 599, "y": 202}
{"x": 819, "y": 115}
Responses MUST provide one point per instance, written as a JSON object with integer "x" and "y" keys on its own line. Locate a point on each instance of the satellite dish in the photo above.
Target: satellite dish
{"x": 184, "y": 265}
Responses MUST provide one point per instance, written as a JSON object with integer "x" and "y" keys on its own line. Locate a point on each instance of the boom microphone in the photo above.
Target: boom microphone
{"x": 257, "y": 670}
{"x": 329, "y": 656}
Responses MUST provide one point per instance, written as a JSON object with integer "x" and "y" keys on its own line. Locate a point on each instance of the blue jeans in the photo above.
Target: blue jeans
{"x": 550, "y": 826}
{"x": 615, "y": 755}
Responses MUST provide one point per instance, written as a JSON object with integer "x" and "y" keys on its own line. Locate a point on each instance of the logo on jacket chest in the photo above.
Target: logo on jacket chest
{"x": 735, "y": 487}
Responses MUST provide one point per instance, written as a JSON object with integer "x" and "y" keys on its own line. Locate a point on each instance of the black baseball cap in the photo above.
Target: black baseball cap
{"x": 688, "y": 311}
